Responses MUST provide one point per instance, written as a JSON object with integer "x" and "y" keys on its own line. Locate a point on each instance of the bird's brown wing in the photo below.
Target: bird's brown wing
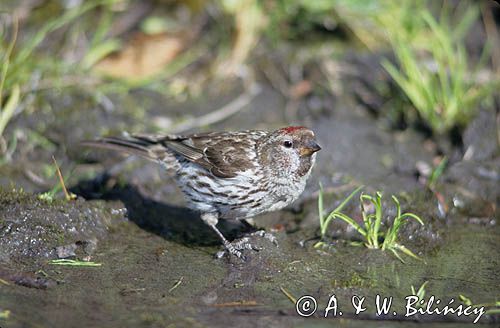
{"x": 178, "y": 144}
{"x": 222, "y": 153}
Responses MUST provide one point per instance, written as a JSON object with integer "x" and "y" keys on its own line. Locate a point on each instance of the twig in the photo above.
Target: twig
{"x": 236, "y": 303}
{"x": 220, "y": 114}
{"x": 288, "y": 294}
{"x": 68, "y": 195}
{"x": 176, "y": 284}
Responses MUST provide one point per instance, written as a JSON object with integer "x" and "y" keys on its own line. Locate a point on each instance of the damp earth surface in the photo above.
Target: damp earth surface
{"x": 155, "y": 260}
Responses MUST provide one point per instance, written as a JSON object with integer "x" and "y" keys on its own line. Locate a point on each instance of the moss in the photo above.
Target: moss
{"x": 20, "y": 197}
{"x": 13, "y": 196}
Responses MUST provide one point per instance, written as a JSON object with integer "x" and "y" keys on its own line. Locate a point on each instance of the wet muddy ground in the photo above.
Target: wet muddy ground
{"x": 157, "y": 258}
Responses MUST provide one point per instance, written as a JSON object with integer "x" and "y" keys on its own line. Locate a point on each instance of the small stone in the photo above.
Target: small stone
{"x": 66, "y": 251}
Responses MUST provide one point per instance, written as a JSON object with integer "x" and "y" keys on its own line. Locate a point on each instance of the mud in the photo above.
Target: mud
{"x": 33, "y": 228}
{"x": 157, "y": 258}
{"x": 148, "y": 280}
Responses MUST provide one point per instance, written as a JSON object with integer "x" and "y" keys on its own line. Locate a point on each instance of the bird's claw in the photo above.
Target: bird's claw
{"x": 236, "y": 247}
{"x": 266, "y": 235}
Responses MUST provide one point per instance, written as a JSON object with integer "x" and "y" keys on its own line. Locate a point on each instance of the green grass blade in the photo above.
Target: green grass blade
{"x": 421, "y": 290}
{"x": 351, "y": 222}
{"x": 377, "y": 202}
{"x": 406, "y": 251}
{"x": 396, "y": 254}
{"x": 6, "y": 60}
{"x": 341, "y": 206}
{"x": 437, "y": 172}
{"x": 413, "y": 216}
{"x": 7, "y": 112}
{"x": 465, "y": 300}
{"x": 99, "y": 52}
{"x": 492, "y": 311}
{"x": 320, "y": 211}
{"x": 67, "y": 262}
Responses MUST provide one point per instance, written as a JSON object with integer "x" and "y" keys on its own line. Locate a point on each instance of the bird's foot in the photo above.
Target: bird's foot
{"x": 266, "y": 235}
{"x": 236, "y": 247}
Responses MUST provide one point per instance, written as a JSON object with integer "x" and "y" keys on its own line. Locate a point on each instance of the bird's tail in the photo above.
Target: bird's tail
{"x": 135, "y": 146}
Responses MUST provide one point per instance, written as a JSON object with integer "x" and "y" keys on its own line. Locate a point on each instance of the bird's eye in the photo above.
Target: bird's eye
{"x": 287, "y": 144}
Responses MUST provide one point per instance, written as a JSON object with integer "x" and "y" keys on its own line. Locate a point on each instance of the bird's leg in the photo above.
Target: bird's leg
{"x": 211, "y": 220}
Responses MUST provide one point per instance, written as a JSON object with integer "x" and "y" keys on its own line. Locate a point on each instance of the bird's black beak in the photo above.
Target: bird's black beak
{"x": 310, "y": 148}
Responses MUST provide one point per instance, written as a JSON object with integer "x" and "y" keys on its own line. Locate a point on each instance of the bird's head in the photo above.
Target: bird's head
{"x": 291, "y": 150}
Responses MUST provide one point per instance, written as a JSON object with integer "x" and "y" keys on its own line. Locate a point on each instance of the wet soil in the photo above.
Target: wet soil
{"x": 157, "y": 258}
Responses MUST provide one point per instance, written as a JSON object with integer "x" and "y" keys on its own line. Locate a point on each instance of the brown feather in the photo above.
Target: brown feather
{"x": 221, "y": 153}
{"x": 127, "y": 146}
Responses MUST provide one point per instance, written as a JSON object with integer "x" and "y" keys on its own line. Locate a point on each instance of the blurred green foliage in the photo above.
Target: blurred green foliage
{"x": 432, "y": 67}
{"x": 298, "y": 18}
{"x": 26, "y": 68}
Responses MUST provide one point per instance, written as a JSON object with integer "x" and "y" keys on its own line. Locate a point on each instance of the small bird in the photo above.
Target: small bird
{"x": 230, "y": 175}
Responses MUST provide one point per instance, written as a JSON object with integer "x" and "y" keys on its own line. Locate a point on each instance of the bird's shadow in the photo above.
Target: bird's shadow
{"x": 174, "y": 223}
